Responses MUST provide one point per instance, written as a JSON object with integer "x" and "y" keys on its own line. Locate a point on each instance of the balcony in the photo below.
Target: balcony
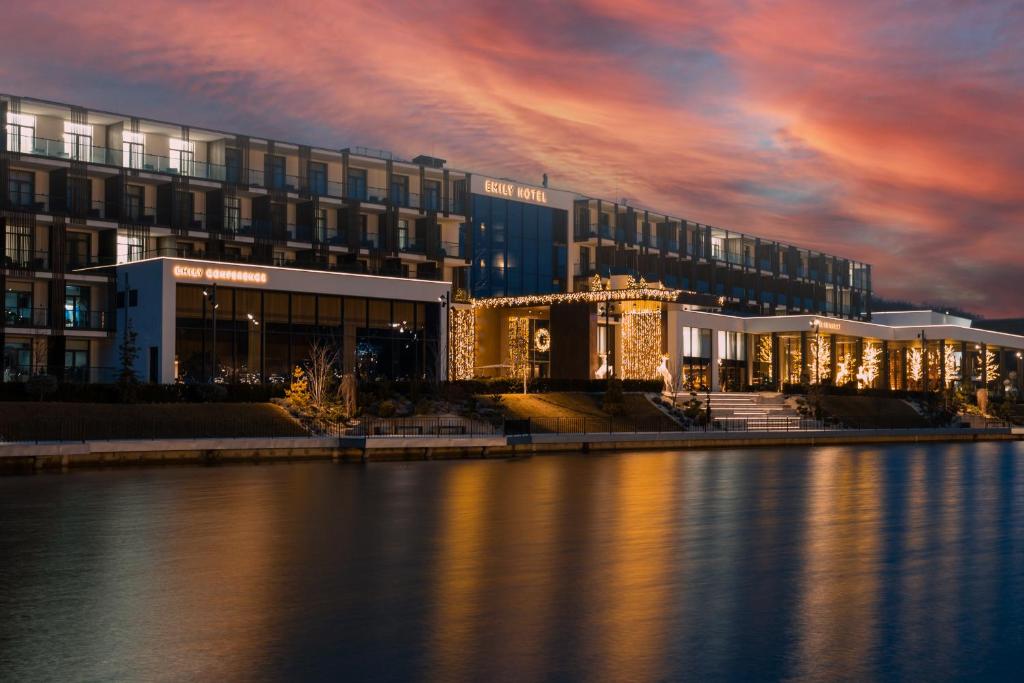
{"x": 26, "y": 316}
{"x": 26, "y": 260}
{"x": 80, "y": 319}
{"x": 454, "y": 250}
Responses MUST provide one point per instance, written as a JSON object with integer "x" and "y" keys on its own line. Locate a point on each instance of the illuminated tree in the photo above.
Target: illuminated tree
{"x": 952, "y": 363}
{"x": 867, "y": 373}
{"x": 822, "y": 358}
{"x": 991, "y": 366}
{"x": 844, "y": 369}
{"x": 764, "y": 350}
{"x": 915, "y": 365}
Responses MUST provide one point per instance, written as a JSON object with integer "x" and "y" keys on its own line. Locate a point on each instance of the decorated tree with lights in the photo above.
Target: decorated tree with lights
{"x": 915, "y": 365}
{"x": 991, "y": 366}
{"x": 952, "y": 363}
{"x": 844, "y": 369}
{"x": 867, "y": 373}
{"x": 822, "y": 359}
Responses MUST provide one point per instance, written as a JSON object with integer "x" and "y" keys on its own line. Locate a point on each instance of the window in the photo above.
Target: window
{"x": 400, "y": 190}
{"x": 403, "y": 234}
{"x": 233, "y": 165}
{"x": 76, "y": 360}
{"x": 131, "y": 248}
{"x": 232, "y": 214}
{"x": 17, "y": 360}
{"x": 78, "y": 141}
{"x": 77, "y": 248}
{"x": 321, "y": 225}
{"x": 133, "y": 147}
{"x": 183, "y": 156}
{"x": 731, "y": 346}
{"x": 356, "y": 183}
{"x": 317, "y": 178}
{"x": 134, "y": 202}
{"x": 18, "y": 244}
{"x": 275, "y": 167}
{"x": 21, "y": 132}
{"x": 76, "y": 306}
{"x": 18, "y": 304}
{"x": 696, "y": 342}
{"x": 21, "y": 189}
{"x": 432, "y": 195}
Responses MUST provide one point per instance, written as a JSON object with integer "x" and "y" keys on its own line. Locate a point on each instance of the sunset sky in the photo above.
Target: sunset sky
{"x": 888, "y": 132}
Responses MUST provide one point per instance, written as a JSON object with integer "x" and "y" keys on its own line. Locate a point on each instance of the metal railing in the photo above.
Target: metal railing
{"x": 26, "y": 316}
{"x": 425, "y": 426}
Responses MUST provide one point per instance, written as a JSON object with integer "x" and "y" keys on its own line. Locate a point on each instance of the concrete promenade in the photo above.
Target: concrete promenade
{"x": 22, "y": 457}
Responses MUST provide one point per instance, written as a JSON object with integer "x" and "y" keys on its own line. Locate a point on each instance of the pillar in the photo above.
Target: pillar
{"x": 776, "y": 362}
{"x": 715, "y": 356}
{"x": 748, "y": 350}
{"x": 803, "y": 357}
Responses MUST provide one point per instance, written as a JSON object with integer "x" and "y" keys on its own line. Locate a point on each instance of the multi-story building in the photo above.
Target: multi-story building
{"x": 230, "y": 254}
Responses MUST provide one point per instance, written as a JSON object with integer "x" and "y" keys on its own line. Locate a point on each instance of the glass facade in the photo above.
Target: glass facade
{"x": 262, "y": 335}
{"x": 518, "y": 248}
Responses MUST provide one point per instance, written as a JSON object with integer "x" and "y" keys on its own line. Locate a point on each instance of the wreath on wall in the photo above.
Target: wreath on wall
{"x": 542, "y": 340}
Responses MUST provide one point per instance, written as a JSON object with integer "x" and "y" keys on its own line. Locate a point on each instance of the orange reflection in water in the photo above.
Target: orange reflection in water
{"x": 633, "y": 591}
{"x": 838, "y": 600}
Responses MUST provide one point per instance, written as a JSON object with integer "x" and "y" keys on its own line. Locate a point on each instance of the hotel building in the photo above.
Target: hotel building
{"x": 230, "y": 254}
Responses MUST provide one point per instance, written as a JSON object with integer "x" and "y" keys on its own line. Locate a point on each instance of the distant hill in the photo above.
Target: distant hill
{"x": 881, "y": 304}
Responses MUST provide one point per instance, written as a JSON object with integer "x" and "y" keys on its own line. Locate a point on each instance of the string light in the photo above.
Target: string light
{"x": 542, "y": 340}
{"x": 639, "y": 293}
{"x": 461, "y": 342}
{"x": 641, "y": 344}
{"x": 519, "y": 345}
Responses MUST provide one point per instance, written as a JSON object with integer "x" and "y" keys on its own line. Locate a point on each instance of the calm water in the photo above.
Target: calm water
{"x": 801, "y": 564}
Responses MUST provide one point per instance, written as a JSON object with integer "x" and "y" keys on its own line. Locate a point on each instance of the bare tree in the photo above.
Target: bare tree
{"x": 320, "y": 374}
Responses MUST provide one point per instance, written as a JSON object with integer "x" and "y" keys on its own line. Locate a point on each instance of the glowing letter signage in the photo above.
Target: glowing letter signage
{"x": 249, "y": 277}
{"x": 521, "y": 193}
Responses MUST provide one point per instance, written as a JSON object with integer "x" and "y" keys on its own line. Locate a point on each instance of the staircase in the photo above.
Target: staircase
{"x": 751, "y": 411}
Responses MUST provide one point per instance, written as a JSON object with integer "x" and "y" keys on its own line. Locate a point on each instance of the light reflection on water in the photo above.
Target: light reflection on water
{"x": 802, "y": 564}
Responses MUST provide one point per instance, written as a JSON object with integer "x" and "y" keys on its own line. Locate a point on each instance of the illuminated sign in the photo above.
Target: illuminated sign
{"x": 515, "y": 191}
{"x": 249, "y": 277}
{"x": 827, "y": 325}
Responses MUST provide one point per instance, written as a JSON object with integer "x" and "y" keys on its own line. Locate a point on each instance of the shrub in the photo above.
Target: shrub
{"x": 386, "y": 408}
{"x": 614, "y": 401}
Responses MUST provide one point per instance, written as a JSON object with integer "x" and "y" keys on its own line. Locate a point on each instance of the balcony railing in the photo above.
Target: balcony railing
{"x": 77, "y": 319}
{"x": 26, "y": 260}
{"x": 26, "y": 316}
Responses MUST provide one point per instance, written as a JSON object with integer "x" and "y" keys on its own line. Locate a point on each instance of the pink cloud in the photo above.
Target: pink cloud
{"x": 884, "y": 132}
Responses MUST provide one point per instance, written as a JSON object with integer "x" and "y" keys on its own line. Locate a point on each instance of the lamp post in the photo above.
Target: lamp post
{"x": 262, "y": 331}
{"x": 212, "y": 297}
{"x": 446, "y": 310}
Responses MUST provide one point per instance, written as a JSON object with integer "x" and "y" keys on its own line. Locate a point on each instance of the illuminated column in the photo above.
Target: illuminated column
{"x": 833, "y": 360}
{"x": 776, "y": 362}
{"x": 715, "y": 355}
{"x": 748, "y": 350}
{"x": 942, "y": 363}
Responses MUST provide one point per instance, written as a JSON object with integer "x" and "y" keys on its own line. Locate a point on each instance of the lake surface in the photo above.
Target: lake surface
{"x": 902, "y": 562}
